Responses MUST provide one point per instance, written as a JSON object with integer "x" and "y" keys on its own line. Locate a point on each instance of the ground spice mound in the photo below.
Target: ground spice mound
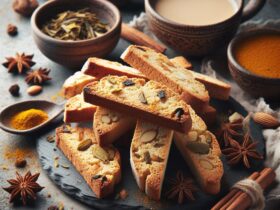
{"x": 28, "y": 119}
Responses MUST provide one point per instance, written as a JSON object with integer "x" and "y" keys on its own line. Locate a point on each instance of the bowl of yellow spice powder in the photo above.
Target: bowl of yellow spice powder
{"x": 254, "y": 62}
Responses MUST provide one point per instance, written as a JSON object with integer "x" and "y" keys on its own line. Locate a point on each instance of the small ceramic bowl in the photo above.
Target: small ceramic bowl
{"x": 255, "y": 85}
{"x": 198, "y": 40}
{"x": 75, "y": 53}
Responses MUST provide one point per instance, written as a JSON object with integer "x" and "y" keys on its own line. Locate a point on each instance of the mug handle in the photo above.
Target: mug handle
{"x": 251, "y": 9}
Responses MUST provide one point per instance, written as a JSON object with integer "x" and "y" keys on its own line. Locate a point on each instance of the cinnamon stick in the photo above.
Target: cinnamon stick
{"x": 266, "y": 177}
{"x": 137, "y": 37}
{"x": 225, "y": 200}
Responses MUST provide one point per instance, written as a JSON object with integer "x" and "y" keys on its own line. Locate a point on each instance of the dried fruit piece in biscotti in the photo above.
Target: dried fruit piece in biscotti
{"x": 109, "y": 125}
{"x": 158, "y": 67}
{"x": 140, "y": 99}
{"x": 99, "y": 166}
{"x": 149, "y": 152}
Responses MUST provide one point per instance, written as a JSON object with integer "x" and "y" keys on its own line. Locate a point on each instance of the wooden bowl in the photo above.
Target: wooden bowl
{"x": 255, "y": 85}
{"x": 198, "y": 40}
{"x": 75, "y": 53}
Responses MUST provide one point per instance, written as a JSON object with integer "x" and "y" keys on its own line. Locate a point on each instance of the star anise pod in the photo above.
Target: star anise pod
{"x": 237, "y": 152}
{"x": 229, "y": 129}
{"x": 38, "y": 76}
{"x": 182, "y": 187}
{"x": 23, "y": 187}
{"x": 19, "y": 63}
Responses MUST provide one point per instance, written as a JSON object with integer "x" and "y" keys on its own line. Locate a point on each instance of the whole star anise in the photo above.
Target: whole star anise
{"x": 19, "y": 63}
{"x": 229, "y": 129}
{"x": 182, "y": 187}
{"x": 237, "y": 152}
{"x": 38, "y": 76}
{"x": 24, "y": 187}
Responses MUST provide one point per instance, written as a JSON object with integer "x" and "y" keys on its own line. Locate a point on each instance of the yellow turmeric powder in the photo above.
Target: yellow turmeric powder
{"x": 260, "y": 54}
{"x": 28, "y": 119}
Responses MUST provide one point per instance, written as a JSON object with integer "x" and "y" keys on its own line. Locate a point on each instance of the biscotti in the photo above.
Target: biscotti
{"x": 100, "y": 166}
{"x": 201, "y": 151}
{"x": 76, "y": 110}
{"x": 74, "y": 84}
{"x": 216, "y": 88}
{"x": 182, "y": 61}
{"x": 99, "y": 68}
{"x": 158, "y": 67}
{"x": 149, "y": 154}
{"x": 150, "y": 101}
{"x": 109, "y": 125}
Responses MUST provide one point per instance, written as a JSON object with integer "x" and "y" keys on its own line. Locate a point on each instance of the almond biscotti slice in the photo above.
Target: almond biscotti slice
{"x": 216, "y": 88}
{"x": 202, "y": 152}
{"x": 157, "y": 66}
{"x": 100, "y": 166}
{"x": 150, "y": 101}
{"x": 109, "y": 125}
{"x": 74, "y": 84}
{"x": 99, "y": 68}
{"x": 76, "y": 110}
{"x": 149, "y": 152}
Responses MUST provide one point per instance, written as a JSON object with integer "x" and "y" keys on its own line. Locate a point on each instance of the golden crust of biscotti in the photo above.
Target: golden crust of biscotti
{"x": 204, "y": 164}
{"x": 109, "y": 125}
{"x": 76, "y": 110}
{"x": 99, "y": 68}
{"x": 100, "y": 174}
{"x": 74, "y": 84}
{"x": 157, "y": 66}
{"x": 149, "y": 152}
{"x": 150, "y": 101}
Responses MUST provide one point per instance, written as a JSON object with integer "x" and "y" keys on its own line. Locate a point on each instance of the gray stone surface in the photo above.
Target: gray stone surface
{"x": 23, "y": 42}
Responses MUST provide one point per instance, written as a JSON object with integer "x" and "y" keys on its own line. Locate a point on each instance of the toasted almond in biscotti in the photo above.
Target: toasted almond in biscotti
{"x": 76, "y": 110}
{"x": 201, "y": 151}
{"x": 100, "y": 166}
{"x": 135, "y": 97}
{"x": 109, "y": 125}
{"x": 149, "y": 152}
{"x": 98, "y": 68}
{"x": 74, "y": 84}
{"x": 158, "y": 67}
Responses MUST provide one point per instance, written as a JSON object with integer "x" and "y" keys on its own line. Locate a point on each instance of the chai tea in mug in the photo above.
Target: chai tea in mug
{"x": 196, "y": 12}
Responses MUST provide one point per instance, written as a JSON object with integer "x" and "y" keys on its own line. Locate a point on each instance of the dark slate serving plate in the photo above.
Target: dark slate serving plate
{"x": 70, "y": 182}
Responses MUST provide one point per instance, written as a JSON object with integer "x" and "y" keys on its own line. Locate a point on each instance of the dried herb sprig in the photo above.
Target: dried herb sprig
{"x": 75, "y": 25}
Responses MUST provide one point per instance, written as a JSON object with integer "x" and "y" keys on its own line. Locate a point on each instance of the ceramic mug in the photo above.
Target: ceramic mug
{"x": 199, "y": 40}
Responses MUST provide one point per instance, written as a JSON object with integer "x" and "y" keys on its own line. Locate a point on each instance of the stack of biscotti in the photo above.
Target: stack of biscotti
{"x": 109, "y": 125}
{"x": 201, "y": 151}
{"x": 158, "y": 67}
{"x": 76, "y": 110}
{"x": 136, "y": 97}
{"x": 149, "y": 152}
{"x": 100, "y": 166}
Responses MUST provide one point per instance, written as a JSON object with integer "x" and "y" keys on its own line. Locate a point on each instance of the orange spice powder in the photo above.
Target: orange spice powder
{"x": 260, "y": 54}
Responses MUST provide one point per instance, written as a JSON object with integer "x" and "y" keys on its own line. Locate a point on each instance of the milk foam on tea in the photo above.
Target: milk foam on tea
{"x": 196, "y": 12}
